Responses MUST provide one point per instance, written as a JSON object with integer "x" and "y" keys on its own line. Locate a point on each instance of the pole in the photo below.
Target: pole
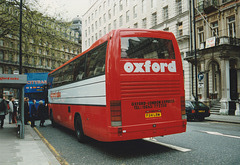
{"x": 22, "y": 113}
{"x": 190, "y": 24}
{"x": 20, "y": 39}
{"x": 195, "y": 51}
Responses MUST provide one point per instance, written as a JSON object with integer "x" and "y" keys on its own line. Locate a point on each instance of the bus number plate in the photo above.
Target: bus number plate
{"x": 152, "y": 115}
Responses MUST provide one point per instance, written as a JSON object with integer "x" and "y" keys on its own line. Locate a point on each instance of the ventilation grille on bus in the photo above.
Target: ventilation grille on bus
{"x": 139, "y": 89}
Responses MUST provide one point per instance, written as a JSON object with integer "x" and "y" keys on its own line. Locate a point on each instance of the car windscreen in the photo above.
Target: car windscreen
{"x": 146, "y": 48}
{"x": 199, "y": 105}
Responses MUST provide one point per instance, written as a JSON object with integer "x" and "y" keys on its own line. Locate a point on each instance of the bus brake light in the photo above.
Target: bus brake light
{"x": 116, "y": 113}
{"x": 183, "y": 111}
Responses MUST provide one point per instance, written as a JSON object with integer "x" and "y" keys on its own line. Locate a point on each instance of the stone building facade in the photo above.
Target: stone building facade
{"x": 218, "y": 53}
{"x": 168, "y": 15}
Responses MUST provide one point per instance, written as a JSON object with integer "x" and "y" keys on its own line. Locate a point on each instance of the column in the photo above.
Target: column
{"x": 203, "y": 89}
{"x": 237, "y": 112}
{"x": 225, "y": 77}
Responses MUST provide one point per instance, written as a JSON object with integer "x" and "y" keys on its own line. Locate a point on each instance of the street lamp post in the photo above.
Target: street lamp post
{"x": 195, "y": 52}
{"x": 20, "y": 39}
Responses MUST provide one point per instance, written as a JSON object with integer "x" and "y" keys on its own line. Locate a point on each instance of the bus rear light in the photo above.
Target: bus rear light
{"x": 193, "y": 111}
{"x": 116, "y": 113}
{"x": 183, "y": 111}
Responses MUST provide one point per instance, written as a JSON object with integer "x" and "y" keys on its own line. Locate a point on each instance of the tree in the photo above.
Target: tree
{"x": 46, "y": 41}
{"x": 35, "y": 25}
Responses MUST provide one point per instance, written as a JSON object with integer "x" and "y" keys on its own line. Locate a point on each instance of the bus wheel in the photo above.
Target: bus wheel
{"x": 79, "y": 130}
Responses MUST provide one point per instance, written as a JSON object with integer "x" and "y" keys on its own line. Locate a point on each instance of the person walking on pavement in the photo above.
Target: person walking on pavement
{"x": 14, "y": 115}
{"x": 26, "y": 110}
{"x": 3, "y": 110}
{"x": 41, "y": 113}
{"x": 10, "y": 111}
{"x": 33, "y": 113}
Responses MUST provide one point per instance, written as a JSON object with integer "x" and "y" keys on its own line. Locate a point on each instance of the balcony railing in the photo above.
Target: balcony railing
{"x": 210, "y": 6}
{"x": 207, "y": 6}
{"x": 224, "y": 40}
{"x": 226, "y": 1}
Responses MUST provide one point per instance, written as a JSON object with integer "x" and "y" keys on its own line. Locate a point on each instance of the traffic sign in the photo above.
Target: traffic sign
{"x": 200, "y": 76}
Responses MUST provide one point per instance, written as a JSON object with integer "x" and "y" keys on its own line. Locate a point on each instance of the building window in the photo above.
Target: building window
{"x": 115, "y": 24}
{"x": 153, "y": 3}
{"x": 1, "y": 42}
{"x": 96, "y": 36}
{"x": 11, "y": 44}
{"x": 165, "y": 13}
{"x": 40, "y": 62}
{"x": 120, "y": 20}
{"x": 231, "y": 26}
{"x": 126, "y": 2}
{"x": 109, "y": 14}
{"x": 214, "y": 29}
{"x": 166, "y": 29}
{"x": 135, "y": 25}
{"x": 144, "y": 23}
{"x": 1, "y": 55}
{"x": 178, "y": 7}
{"x": 114, "y": 9}
{"x": 120, "y": 5}
{"x": 180, "y": 29}
{"x": 33, "y": 60}
{"x": 100, "y": 21}
{"x": 135, "y": 11}
{"x": 9, "y": 71}
{"x": 92, "y": 28}
{"x": 154, "y": 19}
{"x": 200, "y": 35}
{"x": 104, "y": 30}
{"x": 127, "y": 16}
{"x": 104, "y": 18}
{"x": 104, "y": 5}
{"x": 109, "y": 27}
{"x": 100, "y": 9}
{"x": 96, "y": 25}
{"x": 95, "y": 13}
{"x": 144, "y": 6}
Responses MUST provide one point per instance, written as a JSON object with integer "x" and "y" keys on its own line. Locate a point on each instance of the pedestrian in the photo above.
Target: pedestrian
{"x": 10, "y": 111}
{"x": 3, "y": 110}
{"x": 14, "y": 115}
{"x": 41, "y": 113}
{"x": 26, "y": 110}
{"x": 33, "y": 113}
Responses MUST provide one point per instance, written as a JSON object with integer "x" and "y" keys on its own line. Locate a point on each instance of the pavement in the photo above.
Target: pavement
{"x": 224, "y": 118}
{"x": 34, "y": 149}
{"x": 30, "y": 150}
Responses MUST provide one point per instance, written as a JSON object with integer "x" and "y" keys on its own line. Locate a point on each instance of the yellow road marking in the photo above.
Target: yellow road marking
{"x": 61, "y": 160}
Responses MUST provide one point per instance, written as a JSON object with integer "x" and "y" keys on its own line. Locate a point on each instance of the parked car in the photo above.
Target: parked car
{"x": 196, "y": 110}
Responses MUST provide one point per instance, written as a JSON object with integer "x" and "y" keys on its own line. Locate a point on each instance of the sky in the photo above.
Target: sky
{"x": 68, "y": 9}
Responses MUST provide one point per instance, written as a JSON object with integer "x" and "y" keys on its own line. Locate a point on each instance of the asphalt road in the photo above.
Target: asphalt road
{"x": 203, "y": 143}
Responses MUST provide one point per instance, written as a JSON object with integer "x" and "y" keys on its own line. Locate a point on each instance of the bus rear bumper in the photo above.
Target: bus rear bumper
{"x": 140, "y": 131}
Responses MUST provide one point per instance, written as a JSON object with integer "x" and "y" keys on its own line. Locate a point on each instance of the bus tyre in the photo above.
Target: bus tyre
{"x": 79, "y": 130}
{"x": 51, "y": 118}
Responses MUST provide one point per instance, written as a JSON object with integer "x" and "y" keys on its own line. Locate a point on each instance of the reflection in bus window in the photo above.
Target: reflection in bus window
{"x": 146, "y": 48}
{"x": 96, "y": 61}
